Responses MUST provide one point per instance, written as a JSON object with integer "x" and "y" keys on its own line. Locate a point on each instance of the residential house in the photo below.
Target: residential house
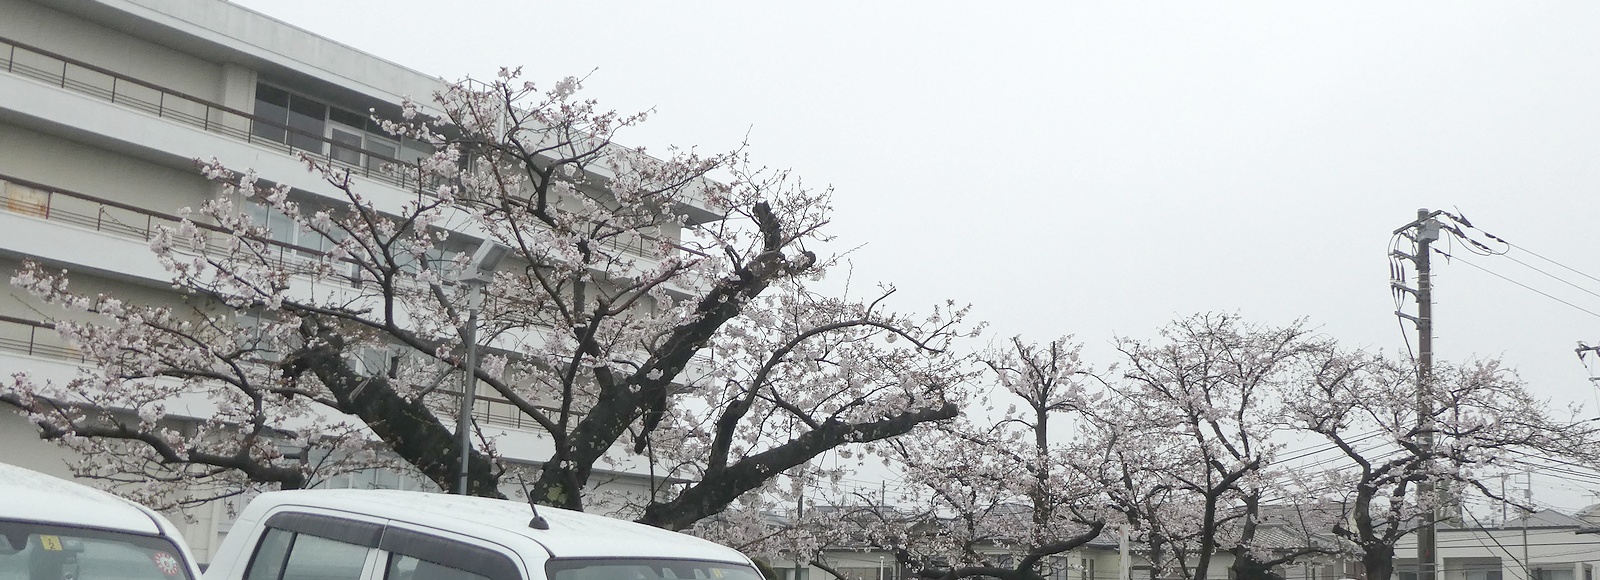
{"x": 1542, "y": 545}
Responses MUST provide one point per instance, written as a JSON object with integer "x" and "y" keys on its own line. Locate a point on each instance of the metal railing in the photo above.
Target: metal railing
{"x": 501, "y": 412}
{"x": 123, "y": 220}
{"x": 78, "y": 76}
{"x": 35, "y": 338}
{"x": 128, "y": 221}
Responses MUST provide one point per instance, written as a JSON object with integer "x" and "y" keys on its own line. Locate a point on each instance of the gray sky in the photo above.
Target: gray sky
{"x": 1100, "y": 169}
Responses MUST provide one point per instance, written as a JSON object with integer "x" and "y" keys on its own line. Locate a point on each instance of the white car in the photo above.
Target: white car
{"x": 402, "y": 535}
{"x": 53, "y": 529}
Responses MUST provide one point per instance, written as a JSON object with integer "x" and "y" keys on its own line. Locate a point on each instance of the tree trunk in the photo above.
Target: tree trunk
{"x": 407, "y": 427}
{"x": 715, "y": 491}
{"x": 1157, "y": 547}
{"x": 1377, "y": 560}
{"x": 1248, "y": 568}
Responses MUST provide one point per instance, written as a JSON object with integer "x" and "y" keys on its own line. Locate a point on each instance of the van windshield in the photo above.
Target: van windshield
{"x": 34, "y": 551}
{"x": 647, "y": 569}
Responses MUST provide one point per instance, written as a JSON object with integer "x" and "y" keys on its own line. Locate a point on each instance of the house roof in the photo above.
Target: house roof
{"x": 1545, "y": 518}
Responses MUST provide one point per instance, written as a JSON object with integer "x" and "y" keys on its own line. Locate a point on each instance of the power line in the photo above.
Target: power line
{"x": 1524, "y": 286}
{"x": 1541, "y": 257}
{"x": 1553, "y": 276}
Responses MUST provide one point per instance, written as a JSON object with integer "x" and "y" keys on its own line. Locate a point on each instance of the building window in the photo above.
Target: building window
{"x": 1552, "y": 573}
{"x": 376, "y": 478}
{"x": 284, "y": 230}
{"x": 346, "y": 129}
{"x": 272, "y": 106}
{"x": 311, "y": 125}
{"x": 308, "y": 119}
{"x": 288, "y": 118}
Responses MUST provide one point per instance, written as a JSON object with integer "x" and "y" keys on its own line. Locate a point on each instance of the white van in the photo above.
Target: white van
{"x": 53, "y": 529}
{"x": 403, "y": 535}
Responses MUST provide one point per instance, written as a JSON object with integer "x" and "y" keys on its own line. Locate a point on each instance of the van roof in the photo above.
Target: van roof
{"x": 26, "y": 494}
{"x": 571, "y": 535}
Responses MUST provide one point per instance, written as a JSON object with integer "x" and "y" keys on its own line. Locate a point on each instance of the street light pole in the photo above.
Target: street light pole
{"x": 480, "y": 271}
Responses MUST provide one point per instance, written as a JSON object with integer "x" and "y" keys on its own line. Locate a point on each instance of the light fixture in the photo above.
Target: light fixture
{"x": 480, "y": 272}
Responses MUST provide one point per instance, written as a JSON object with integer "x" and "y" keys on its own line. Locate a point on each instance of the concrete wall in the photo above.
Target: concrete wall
{"x": 76, "y": 38}
{"x": 58, "y": 162}
{"x": 336, "y": 62}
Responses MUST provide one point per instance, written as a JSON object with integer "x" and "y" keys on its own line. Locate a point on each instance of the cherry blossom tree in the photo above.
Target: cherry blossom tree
{"x": 647, "y": 312}
{"x": 1159, "y": 515}
{"x": 1204, "y": 399}
{"x": 1004, "y": 489}
{"x": 1484, "y": 422}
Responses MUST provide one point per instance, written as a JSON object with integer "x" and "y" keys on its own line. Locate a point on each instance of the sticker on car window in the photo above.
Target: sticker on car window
{"x": 166, "y": 563}
{"x": 50, "y": 543}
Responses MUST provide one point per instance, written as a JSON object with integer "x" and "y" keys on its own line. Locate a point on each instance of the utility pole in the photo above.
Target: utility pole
{"x": 1527, "y": 514}
{"x": 1583, "y": 351}
{"x": 1426, "y": 232}
{"x": 799, "y": 514}
{"x": 1125, "y": 565}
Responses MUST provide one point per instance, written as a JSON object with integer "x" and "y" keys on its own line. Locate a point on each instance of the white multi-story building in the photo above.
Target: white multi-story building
{"x": 104, "y": 107}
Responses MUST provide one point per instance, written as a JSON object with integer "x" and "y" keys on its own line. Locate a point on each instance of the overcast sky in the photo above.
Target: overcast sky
{"x": 1100, "y": 169}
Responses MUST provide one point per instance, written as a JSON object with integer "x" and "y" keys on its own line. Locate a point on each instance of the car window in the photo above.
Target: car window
{"x": 314, "y": 558}
{"x": 646, "y": 569}
{"x": 267, "y": 563}
{"x": 408, "y": 568}
{"x": 416, "y": 555}
{"x": 285, "y": 555}
{"x": 32, "y": 551}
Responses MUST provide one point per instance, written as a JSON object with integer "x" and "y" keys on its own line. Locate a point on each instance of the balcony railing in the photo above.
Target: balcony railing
{"x": 71, "y": 74}
{"x": 78, "y": 76}
{"x": 34, "y": 338}
{"x": 128, "y": 221}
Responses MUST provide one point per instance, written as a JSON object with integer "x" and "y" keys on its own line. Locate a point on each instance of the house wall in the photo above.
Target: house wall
{"x": 1509, "y": 554}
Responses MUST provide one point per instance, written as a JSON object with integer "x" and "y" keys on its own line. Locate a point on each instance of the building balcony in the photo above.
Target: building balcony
{"x": 154, "y": 100}
{"x": 151, "y": 99}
